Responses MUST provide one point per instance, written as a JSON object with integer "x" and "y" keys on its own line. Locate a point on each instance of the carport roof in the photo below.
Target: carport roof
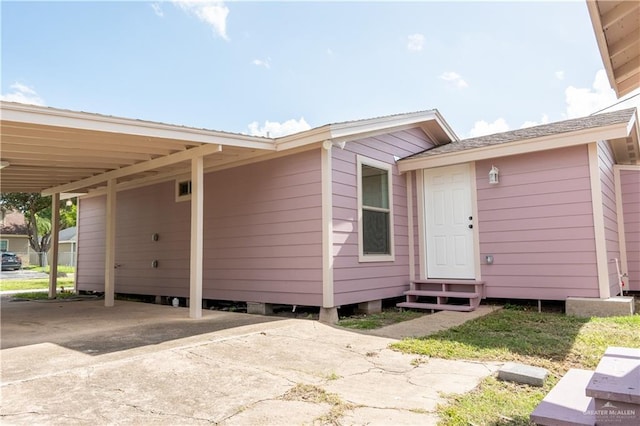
{"x": 51, "y": 150}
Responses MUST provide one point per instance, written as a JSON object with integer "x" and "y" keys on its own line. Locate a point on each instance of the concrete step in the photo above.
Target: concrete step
{"x": 436, "y": 306}
{"x": 437, "y": 293}
{"x": 617, "y": 377}
{"x": 567, "y": 404}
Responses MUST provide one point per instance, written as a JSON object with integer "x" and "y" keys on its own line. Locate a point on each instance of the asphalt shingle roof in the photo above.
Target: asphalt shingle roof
{"x": 573, "y": 125}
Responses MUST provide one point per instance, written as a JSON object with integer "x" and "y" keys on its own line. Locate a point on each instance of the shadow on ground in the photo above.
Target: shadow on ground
{"x": 89, "y": 327}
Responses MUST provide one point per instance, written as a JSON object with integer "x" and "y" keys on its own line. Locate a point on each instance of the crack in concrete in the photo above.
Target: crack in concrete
{"x": 160, "y": 413}
{"x": 271, "y": 373}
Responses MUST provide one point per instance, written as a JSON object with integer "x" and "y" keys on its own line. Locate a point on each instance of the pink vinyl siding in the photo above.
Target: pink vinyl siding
{"x": 262, "y": 238}
{"x": 538, "y": 224}
{"x": 91, "y": 251}
{"x": 607, "y": 185}
{"x": 141, "y": 213}
{"x": 356, "y": 282}
{"x": 630, "y": 188}
{"x": 263, "y": 232}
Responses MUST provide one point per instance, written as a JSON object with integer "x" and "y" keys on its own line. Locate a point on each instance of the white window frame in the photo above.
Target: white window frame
{"x": 179, "y": 197}
{"x": 362, "y": 257}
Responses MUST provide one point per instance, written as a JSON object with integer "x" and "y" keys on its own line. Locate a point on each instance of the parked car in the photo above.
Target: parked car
{"x": 10, "y": 261}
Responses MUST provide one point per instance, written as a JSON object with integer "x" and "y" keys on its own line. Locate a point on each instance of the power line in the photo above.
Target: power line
{"x": 617, "y": 103}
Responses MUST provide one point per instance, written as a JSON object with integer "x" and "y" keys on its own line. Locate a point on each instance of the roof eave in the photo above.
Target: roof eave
{"x": 561, "y": 140}
{"x": 49, "y": 116}
{"x": 349, "y": 131}
{"x": 596, "y": 22}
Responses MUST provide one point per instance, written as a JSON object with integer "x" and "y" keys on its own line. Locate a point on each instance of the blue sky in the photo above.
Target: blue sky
{"x": 253, "y": 67}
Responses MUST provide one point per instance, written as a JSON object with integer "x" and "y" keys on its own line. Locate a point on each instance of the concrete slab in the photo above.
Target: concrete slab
{"x": 592, "y": 307}
{"x": 521, "y": 373}
{"x": 566, "y": 404}
{"x": 617, "y": 377}
{"x": 135, "y": 363}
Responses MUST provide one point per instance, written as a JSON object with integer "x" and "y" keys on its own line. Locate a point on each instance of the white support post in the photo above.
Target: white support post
{"x": 55, "y": 229}
{"x": 110, "y": 245}
{"x": 197, "y": 227}
{"x": 328, "y": 300}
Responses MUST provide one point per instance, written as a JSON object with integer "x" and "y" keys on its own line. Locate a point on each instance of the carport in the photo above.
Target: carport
{"x": 66, "y": 153}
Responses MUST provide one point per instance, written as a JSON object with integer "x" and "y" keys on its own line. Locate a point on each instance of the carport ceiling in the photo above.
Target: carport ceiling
{"x": 51, "y": 150}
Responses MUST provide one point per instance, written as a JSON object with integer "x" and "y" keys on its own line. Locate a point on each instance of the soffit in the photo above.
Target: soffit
{"x": 617, "y": 29}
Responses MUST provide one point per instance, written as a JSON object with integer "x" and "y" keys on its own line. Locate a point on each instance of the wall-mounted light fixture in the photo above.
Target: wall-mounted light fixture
{"x": 489, "y": 259}
{"x": 155, "y": 237}
{"x": 4, "y": 164}
{"x": 494, "y": 175}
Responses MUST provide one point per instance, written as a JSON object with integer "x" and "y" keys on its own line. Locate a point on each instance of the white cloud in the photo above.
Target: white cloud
{"x": 273, "y": 129}
{"x": 481, "y": 128}
{"x": 329, "y": 51}
{"x": 584, "y": 101}
{"x": 213, "y": 13}
{"x": 543, "y": 120}
{"x": 559, "y": 75}
{"x": 260, "y": 63}
{"x": 157, "y": 9}
{"x": 415, "y": 42}
{"x": 23, "y": 94}
{"x": 454, "y": 79}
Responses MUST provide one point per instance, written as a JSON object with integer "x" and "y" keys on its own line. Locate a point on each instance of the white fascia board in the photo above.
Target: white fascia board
{"x": 307, "y": 137}
{"x": 594, "y": 14}
{"x": 352, "y": 130}
{"x": 445, "y": 126}
{"x": 359, "y": 129}
{"x": 544, "y": 143}
{"x": 47, "y": 116}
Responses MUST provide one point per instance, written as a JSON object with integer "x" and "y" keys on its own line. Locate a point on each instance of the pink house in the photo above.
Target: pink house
{"x": 347, "y": 213}
{"x": 398, "y": 200}
{"x": 549, "y": 212}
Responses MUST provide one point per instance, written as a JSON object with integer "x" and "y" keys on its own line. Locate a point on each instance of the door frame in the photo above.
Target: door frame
{"x": 422, "y": 243}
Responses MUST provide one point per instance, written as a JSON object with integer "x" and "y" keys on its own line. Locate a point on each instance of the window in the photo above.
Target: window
{"x": 183, "y": 190}
{"x": 375, "y": 211}
{"x": 4, "y": 245}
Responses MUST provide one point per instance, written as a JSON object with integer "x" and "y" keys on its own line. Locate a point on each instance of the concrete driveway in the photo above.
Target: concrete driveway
{"x": 80, "y": 363}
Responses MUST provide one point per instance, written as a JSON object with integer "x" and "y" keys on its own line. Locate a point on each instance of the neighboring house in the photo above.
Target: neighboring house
{"x": 14, "y": 238}
{"x": 13, "y": 234}
{"x": 67, "y": 242}
{"x": 346, "y": 223}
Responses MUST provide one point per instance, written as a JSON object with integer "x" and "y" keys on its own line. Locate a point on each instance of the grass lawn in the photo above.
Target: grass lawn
{"x": 40, "y": 283}
{"x": 387, "y": 317}
{"x": 45, "y": 269}
{"x": 553, "y": 341}
{"x": 33, "y": 284}
{"x": 40, "y": 295}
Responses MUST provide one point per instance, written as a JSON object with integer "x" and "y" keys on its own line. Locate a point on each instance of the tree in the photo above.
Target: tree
{"x": 37, "y": 215}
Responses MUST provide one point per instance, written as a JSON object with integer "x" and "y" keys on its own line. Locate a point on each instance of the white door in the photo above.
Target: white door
{"x": 449, "y": 223}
